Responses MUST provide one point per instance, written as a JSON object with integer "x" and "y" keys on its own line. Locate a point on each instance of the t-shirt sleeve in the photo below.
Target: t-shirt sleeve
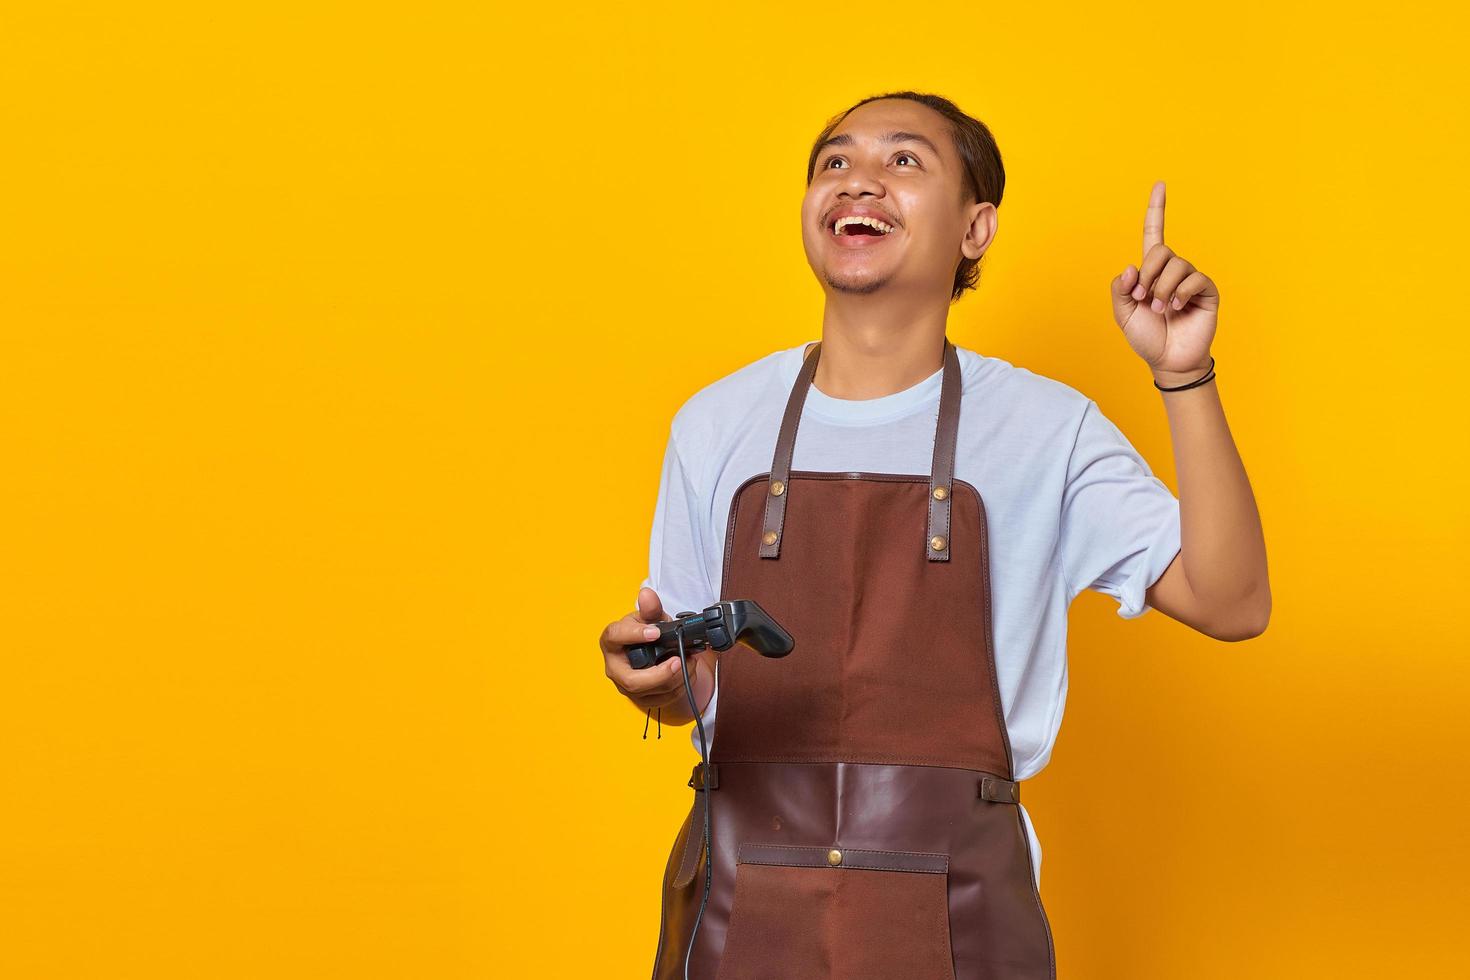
{"x": 1119, "y": 523}
{"x": 677, "y": 569}
{"x": 677, "y": 550}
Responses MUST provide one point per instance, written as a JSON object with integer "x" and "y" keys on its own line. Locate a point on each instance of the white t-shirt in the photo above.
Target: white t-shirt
{"x": 1069, "y": 504}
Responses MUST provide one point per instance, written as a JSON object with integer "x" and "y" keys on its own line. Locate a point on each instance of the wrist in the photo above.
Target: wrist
{"x": 701, "y": 685}
{"x": 704, "y": 685}
{"x": 1175, "y": 377}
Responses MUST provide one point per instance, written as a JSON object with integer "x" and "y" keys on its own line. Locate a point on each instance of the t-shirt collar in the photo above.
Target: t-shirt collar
{"x": 864, "y": 411}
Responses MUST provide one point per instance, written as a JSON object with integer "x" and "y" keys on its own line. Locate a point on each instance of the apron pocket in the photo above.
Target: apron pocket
{"x": 852, "y": 913}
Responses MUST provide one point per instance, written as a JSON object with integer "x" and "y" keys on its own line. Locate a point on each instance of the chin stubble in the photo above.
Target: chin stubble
{"x": 856, "y": 289}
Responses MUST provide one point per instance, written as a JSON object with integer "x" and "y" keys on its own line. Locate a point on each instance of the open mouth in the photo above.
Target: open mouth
{"x": 850, "y": 226}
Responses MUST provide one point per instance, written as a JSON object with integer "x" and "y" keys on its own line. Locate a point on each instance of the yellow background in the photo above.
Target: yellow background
{"x": 340, "y": 344}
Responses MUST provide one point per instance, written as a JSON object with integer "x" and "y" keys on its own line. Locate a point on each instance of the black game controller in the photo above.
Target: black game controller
{"x": 719, "y": 627}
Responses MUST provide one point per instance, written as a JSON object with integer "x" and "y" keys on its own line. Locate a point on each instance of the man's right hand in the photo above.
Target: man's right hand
{"x": 662, "y": 685}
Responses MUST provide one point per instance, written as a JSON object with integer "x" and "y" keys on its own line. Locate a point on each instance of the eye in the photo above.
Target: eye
{"x": 832, "y": 160}
{"x": 908, "y": 156}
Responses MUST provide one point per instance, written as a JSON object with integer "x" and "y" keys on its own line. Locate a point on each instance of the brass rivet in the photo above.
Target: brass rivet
{"x": 777, "y": 488}
{"x": 834, "y": 857}
{"x": 940, "y": 493}
{"x": 769, "y": 537}
{"x": 937, "y": 542}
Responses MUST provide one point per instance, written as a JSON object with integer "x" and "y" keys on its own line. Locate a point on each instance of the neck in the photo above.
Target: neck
{"x": 877, "y": 345}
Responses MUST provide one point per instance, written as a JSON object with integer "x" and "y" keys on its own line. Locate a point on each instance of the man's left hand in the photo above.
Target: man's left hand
{"x": 1166, "y": 307}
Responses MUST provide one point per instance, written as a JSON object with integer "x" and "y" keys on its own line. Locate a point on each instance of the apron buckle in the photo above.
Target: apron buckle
{"x": 696, "y": 779}
{"x": 999, "y": 790}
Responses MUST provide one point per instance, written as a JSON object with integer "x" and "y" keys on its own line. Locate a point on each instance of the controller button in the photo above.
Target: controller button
{"x": 940, "y": 493}
{"x": 834, "y": 857}
{"x": 769, "y": 537}
{"x": 937, "y": 542}
{"x": 777, "y": 488}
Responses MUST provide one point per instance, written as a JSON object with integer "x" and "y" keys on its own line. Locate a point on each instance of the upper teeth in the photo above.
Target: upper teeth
{"x": 842, "y": 223}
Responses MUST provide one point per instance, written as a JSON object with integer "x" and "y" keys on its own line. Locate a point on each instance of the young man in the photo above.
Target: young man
{"x": 921, "y": 540}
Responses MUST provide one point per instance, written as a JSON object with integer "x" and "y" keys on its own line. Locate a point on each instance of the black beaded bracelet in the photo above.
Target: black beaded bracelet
{"x": 1193, "y": 384}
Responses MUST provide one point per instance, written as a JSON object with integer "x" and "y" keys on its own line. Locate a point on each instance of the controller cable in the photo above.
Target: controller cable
{"x": 704, "y": 787}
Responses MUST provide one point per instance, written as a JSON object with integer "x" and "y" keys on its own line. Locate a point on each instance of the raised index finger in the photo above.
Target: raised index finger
{"x": 1153, "y": 219}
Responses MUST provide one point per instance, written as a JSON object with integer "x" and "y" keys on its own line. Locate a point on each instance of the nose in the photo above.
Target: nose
{"x": 860, "y": 181}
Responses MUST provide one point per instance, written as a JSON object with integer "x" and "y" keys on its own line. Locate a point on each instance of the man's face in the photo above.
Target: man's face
{"x": 893, "y": 163}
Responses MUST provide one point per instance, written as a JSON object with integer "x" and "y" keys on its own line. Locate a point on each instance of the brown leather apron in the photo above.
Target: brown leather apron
{"x": 863, "y": 808}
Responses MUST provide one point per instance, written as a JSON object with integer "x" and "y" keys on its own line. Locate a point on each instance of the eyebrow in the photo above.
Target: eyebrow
{"x": 898, "y": 136}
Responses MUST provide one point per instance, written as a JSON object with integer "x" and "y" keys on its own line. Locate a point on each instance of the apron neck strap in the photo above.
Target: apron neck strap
{"x": 941, "y": 470}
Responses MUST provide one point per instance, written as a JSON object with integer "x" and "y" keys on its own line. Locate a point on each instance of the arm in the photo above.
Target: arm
{"x": 1167, "y": 309}
{"x": 677, "y": 580}
{"x": 1218, "y": 582}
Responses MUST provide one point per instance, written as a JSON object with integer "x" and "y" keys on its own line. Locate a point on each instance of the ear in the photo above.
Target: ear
{"x": 981, "y": 231}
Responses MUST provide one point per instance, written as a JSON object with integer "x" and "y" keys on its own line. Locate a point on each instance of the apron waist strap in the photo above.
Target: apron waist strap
{"x": 992, "y": 788}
